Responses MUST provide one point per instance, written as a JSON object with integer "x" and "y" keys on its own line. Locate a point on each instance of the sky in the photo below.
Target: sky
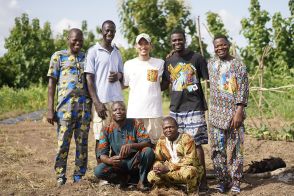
{"x": 64, "y": 13}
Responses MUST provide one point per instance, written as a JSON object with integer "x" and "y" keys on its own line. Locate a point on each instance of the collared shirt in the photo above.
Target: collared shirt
{"x": 72, "y": 92}
{"x": 100, "y": 62}
{"x": 179, "y": 153}
{"x": 228, "y": 87}
{"x": 113, "y": 137}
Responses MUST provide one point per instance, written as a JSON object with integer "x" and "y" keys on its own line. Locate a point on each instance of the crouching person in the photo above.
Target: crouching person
{"x": 130, "y": 154}
{"x": 176, "y": 160}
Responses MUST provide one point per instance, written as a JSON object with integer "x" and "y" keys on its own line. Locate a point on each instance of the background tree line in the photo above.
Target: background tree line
{"x": 29, "y": 46}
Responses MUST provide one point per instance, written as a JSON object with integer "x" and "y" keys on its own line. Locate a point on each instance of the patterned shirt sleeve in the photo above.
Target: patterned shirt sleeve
{"x": 54, "y": 67}
{"x": 104, "y": 145}
{"x": 158, "y": 151}
{"x": 243, "y": 85}
{"x": 142, "y": 134}
{"x": 189, "y": 150}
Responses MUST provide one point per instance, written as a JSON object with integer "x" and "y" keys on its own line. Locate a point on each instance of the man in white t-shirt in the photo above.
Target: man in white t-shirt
{"x": 142, "y": 75}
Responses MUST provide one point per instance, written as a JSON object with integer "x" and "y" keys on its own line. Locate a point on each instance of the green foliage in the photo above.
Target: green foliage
{"x": 215, "y": 24}
{"x": 22, "y": 100}
{"x": 128, "y": 53}
{"x": 291, "y": 7}
{"x": 283, "y": 38}
{"x": 7, "y": 72}
{"x": 258, "y": 35}
{"x": 285, "y": 133}
{"x": 158, "y": 19}
{"x": 28, "y": 50}
{"x": 89, "y": 38}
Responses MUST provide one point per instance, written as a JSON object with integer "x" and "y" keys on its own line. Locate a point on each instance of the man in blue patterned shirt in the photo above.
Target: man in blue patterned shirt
{"x": 72, "y": 114}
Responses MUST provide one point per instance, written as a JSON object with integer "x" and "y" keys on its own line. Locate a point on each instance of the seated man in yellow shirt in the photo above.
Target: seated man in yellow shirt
{"x": 176, "y": 160}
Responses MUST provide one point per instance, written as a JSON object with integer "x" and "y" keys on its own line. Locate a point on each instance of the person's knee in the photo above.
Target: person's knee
{"x": 189, "y": 173}
{"x": 148, "y": 152}
{"x": 100, "y": 170}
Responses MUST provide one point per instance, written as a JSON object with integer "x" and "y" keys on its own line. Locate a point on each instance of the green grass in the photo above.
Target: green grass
{"x": 278, "y": 106}
{"x": 35, "y": 98}
{"x": 14, "y": 102}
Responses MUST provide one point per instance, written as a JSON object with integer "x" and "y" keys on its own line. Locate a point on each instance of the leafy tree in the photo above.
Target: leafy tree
{"x": 89, "y": 38}
{"x": 258, "y": 35}
{"x": 158, "y": 19}
{"x": 127, "y": 53}
{"x": 28, "y": 49}
{"x": 215, "y": 24}
{"x": 60, "y": 42}
{"x": 291, "y": 7}
{"x": 284, "y": 43}
{"x": 7, "y": 72}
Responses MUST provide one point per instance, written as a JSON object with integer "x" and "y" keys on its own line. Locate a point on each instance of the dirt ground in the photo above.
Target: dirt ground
{"x": 27, "y": 152}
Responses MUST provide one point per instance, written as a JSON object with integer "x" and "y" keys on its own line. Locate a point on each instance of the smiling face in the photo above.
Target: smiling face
{"x": 170, "y": 129}
{"x": 143, "y": 47}
{"x": 221, "y": 48}
{"x": 178, "y": 42}
{"x": 108, "y": 32}
{"x": 75, "y": 41}
{"x": 118, "y": 112}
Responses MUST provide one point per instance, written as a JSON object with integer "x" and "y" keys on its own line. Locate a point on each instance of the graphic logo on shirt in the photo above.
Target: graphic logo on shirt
{"x": 228, "y": 81}
{"x": 183, "y": 76}
{"x": 152, "y": 75}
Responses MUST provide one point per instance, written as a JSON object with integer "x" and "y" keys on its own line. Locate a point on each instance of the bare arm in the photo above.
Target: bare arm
{"x": 164, "y": 85}
{"x": 114, "y": 161}
{"x": 51, "y": 93}
{"x": 99, "y": 107}
{"x": 126, "y": 148}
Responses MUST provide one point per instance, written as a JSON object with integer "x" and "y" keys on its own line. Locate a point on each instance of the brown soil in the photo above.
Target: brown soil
{"x": 27, "y": 153}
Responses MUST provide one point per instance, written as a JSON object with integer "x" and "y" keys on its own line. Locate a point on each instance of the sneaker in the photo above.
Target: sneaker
{"x": 235, "y": 189}
{"x": 103, "y": 182}
{"x": 61, "y": 181}
{"x": 77, "y": 178}
{"x": 220, "y": 188}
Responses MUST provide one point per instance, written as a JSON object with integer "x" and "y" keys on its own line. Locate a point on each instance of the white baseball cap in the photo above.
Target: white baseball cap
{"x": 145, "y": 36}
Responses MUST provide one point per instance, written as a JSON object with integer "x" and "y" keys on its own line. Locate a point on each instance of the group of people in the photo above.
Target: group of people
{"x": 136, "y": 144}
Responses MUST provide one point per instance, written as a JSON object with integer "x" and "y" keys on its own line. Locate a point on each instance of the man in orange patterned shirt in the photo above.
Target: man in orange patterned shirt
{"x": 176, "y": 160}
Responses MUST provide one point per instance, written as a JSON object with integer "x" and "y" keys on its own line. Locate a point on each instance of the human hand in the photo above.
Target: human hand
{"x": 170, "y": 54}
{"x": 114, "y": 76}
{"x": 237, "y": 118}
{"x": 101, "y": 110}
{"x": 115, "y": 161}
{"x": 51, "y": 117}
{"x": 162, "y": 169}
{"x": 125, "y": 150}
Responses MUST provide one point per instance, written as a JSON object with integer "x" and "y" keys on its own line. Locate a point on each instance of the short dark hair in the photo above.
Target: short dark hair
{"x": 107, "y": 22}
{"x": 178, "y": 31}
{"x": 121, "y": 103}
{"x": 219, "y": 36}
{"x": 169, "y": 118}
{"x": 76, "y": 30}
